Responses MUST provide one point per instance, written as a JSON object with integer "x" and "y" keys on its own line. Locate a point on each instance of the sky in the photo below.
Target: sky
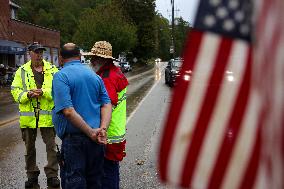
{"x": 186, "y": 9}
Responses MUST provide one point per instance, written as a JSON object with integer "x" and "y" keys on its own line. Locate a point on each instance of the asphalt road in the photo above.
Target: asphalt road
{"x": 148, "y": 98}
{"x": 138, "y": 169}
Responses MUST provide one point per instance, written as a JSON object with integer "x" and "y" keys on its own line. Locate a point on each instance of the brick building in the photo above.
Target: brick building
{"x": 15, "y": 35}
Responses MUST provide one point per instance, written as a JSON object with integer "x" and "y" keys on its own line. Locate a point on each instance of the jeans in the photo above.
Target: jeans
{"x": 111, "y": 174}
{"x": 83, "y": 163}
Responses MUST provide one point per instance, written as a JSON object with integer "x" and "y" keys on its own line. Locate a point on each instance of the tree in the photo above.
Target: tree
{"x": 182, "y": 28}
{"x": 163, "y": 37}
{"x": 61, "y": 15}
{"x": 142, "y": 14}
{"x": 105, "y": 22}
{"x": 31, "y": 10}
{"x": 130, "y": 25}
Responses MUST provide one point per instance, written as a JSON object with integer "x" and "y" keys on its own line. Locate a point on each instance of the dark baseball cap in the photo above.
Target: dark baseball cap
{"x": 70, "y": 50}
{"x": 36, "y": 47}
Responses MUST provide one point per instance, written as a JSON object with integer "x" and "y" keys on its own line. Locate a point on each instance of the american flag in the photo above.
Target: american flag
{"x": 224, "y": 127}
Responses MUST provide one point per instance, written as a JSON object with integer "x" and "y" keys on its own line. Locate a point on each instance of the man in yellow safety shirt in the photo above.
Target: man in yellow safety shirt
{"x": 31, "y": 88}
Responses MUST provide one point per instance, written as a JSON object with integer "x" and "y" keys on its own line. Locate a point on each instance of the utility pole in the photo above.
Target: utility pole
{"x": 172, "y": 48}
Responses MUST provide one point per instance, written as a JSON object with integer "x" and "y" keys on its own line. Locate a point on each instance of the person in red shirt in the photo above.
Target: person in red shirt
{"x": 116, "y": 86}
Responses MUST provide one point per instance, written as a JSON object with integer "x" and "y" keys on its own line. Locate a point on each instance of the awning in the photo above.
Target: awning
{"x": 14, "y": 5}
{"x": 11, "y": 47}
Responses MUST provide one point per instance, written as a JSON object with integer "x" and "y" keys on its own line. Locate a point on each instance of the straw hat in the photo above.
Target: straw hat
{"x": 102, "y": 49}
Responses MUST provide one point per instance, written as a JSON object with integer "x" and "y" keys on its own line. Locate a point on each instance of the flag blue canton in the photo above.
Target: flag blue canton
{"x": 231, "y": 18}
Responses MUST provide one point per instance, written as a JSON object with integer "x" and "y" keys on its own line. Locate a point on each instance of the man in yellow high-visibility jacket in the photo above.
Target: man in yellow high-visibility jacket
{"x": 31, "y": 88}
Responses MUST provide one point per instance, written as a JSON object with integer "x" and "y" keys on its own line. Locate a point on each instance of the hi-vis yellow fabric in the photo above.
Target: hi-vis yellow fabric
{"x": 22, "y": 83}
{"x": 116, "y": 130}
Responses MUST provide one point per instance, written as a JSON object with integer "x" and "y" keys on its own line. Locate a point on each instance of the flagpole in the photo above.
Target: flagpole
{"x": 173, "y": 28}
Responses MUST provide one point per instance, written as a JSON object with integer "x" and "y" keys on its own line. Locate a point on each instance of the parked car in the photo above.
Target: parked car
{"x": 172, "y": 71}
{"x": 158, "y": 60}
{"x": 116, "y": 63}
{"x": 125, "y": 67}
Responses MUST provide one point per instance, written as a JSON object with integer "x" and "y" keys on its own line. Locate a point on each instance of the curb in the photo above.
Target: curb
{"x": 139, "y": 75}
{"x": 3, "y": 123}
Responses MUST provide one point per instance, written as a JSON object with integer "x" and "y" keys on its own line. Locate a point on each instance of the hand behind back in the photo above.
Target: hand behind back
{"x": 98, "y": 135}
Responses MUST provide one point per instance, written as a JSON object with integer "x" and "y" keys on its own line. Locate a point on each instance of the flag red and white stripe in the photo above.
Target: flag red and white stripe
{"x": 269, "y": 83}
{"x": 224, "y": 133}
{"x": 209, "y": 119}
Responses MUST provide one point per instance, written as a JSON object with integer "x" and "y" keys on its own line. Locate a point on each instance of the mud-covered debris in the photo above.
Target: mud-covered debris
{"x": 139, "y": 162}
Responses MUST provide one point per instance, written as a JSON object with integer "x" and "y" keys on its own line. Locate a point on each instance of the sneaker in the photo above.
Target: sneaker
{"x": 31, "y": 182}
{"x": 53, "y": 182}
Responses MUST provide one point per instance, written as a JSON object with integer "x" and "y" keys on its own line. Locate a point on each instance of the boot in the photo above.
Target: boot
{"x": 53, "y": 182}
{"x": 31, "y": 182}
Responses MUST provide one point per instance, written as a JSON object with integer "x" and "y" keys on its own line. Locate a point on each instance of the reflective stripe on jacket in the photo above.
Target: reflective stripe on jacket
{"x": 22, "y": 83}
{"x": 116, "y": 130}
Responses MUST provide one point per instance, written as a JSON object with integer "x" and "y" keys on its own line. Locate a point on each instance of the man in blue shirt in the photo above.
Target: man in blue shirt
{"x": 81, "y": 116}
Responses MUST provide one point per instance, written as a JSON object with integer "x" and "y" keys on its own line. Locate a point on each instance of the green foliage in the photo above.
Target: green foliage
{"x": 61, "y": 15}
{"x": 45, "y": 17}
{"x": 163, "y": 37}
{"x": 142, "y": 14}
{"x": 106, "y": 22}
{"x": 132, "y": 26}
{"x": 180, "y": 33}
